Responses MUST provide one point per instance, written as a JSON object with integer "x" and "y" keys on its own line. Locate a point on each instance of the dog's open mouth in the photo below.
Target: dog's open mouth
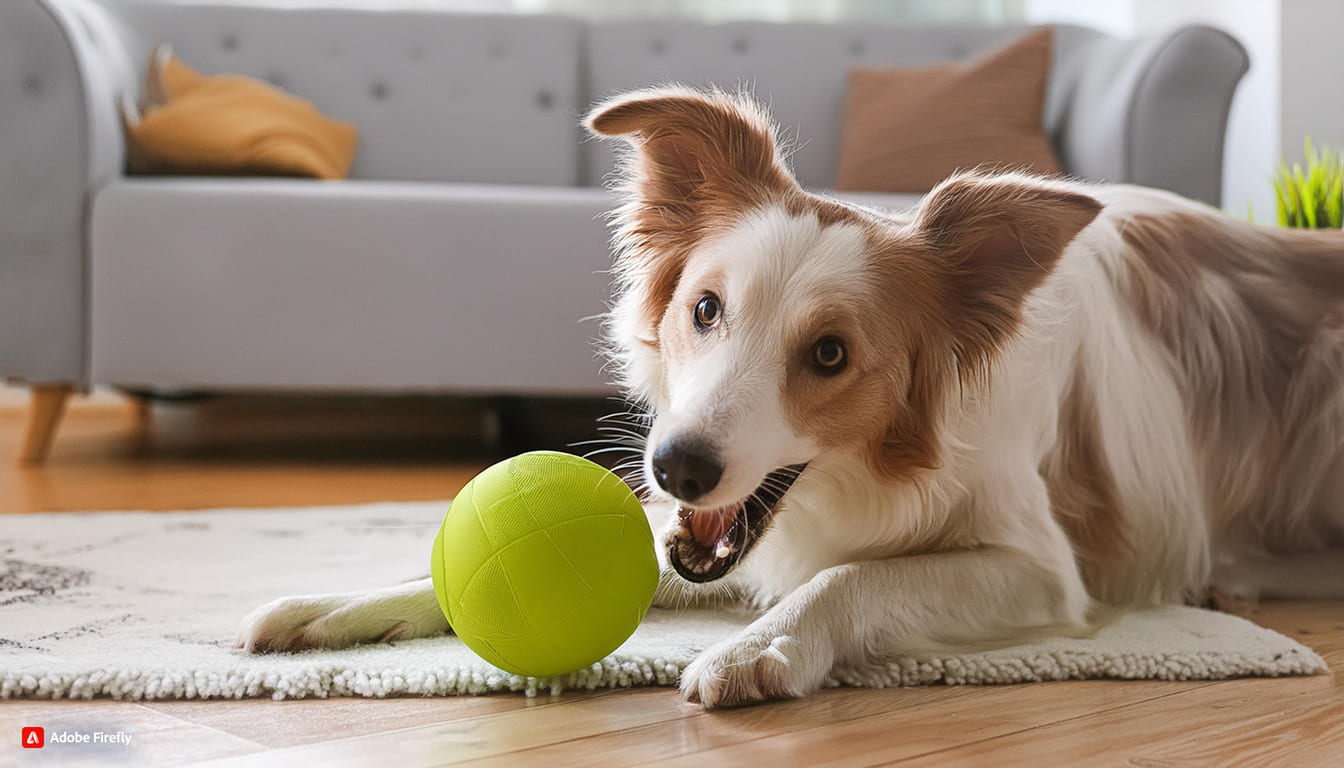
{"x": 709, "y": 542}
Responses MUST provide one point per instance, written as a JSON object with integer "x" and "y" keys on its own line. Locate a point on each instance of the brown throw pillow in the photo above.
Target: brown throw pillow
{"x": 231, "y": 125}
{"x": 905, "y": 130}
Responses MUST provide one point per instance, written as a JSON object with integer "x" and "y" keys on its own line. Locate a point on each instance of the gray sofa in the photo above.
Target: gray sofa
{"x": 469, "y": 244}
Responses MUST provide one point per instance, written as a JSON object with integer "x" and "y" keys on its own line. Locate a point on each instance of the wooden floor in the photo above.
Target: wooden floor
{"x": 256, "y": 452}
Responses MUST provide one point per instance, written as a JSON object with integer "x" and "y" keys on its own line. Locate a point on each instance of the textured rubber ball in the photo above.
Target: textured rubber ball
{"x": 544, "y": 564}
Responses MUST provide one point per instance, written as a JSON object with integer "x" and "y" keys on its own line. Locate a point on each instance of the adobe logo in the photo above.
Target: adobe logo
{"x": 34, "y": 737}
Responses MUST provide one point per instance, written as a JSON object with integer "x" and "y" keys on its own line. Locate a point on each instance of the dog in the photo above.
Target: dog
{"x": 1027, "y": 403}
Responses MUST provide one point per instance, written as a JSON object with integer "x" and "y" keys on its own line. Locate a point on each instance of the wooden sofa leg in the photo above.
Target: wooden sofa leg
{"x": 46, "y": 405}
{"x": 143, "y": 409}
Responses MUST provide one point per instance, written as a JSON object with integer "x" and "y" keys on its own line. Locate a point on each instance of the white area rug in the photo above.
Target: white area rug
{"x": 146, "y": 606}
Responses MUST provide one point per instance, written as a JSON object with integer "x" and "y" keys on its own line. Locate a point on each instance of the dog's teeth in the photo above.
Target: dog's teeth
{"x": 723, "y": 551}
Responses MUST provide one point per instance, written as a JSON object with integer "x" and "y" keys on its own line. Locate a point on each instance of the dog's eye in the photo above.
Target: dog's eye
{"x": 829, "y": 355}
{"x": 707, "y": 312}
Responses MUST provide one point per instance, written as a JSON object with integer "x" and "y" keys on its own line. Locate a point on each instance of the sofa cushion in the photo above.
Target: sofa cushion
{"x": 293, "y": 284}
{"x": 906, "y": 129}
{"x": 411, "y": 80}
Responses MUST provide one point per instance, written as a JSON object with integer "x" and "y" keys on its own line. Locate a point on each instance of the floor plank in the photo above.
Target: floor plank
{"x": 458, "y": 740}
{"x": 244, "y": 452}
{"x": 1117, "y": 735}
{"x": 1218, "y": 723}
{"x": 296, "y": 722}
{"x": 987, "y": 713}
{"x": 1311, "y": 734}
{"x": 699, "y": 733}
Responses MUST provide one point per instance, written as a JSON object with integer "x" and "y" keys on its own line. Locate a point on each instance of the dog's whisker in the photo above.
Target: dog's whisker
{"x": 629, "y": 438}
{"x": 615, "y": 424}
{"x": 622, "y": 419}
{"x": 612, "y": 449}
{"x": 642, "y": 417}
{"x": 608, "y": 442}
{"x": 625, "y": 443}
{"x": 628, "y": 450}
{"x": 624, "y": 439}
{"x": 610, "y": 432}
{"x": 640, "y": 429}
{"x": 617, "y": 429}
{"x": 627, "y": 417}
{"x": 630, "y": 473}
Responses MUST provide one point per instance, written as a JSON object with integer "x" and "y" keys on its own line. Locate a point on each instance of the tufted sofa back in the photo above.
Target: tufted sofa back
{"x": 441, "y": 96}
{"x": 437, "y": 96}
{"x": 445, "y": 96}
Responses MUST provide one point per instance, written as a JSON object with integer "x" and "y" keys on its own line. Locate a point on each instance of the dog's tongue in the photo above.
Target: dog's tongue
{"x": 709, "y": 525}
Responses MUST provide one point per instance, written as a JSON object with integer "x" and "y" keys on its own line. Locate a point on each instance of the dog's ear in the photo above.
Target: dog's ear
{"x": 696, "y": 160}
{"x": 995, "y": 238}
{"x": 691, "y": 146}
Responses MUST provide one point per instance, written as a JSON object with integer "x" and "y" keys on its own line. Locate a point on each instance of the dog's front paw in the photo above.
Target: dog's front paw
{"x": 755, "y": 667}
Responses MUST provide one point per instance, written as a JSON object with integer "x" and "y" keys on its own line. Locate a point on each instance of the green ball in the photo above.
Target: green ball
{"x": 544, "y": 564}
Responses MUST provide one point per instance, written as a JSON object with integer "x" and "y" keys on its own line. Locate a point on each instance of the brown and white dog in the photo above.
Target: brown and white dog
{"x": 1020, "y": 405}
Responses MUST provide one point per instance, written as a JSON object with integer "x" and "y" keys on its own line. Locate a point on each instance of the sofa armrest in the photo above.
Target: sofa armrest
{"x": 60, "y": 140}
{"x": 1151, "y": 112}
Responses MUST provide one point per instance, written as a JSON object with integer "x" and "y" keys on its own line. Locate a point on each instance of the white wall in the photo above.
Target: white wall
{"x": 1114, "y": 17}
{"x": 1312, "y": 64}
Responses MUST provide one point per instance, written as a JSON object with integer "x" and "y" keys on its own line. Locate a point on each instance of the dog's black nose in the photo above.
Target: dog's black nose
{"x": 687, "y": 469}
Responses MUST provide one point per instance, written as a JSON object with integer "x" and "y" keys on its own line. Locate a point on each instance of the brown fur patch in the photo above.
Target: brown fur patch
{"x": 916, "y": 352}
{"x": 1253, "y": 318}
{"x": 1083, "y": 495}
{"x": 840, "y": 409}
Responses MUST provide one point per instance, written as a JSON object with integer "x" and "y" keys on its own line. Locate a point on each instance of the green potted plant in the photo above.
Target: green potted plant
{"x": 1312, "y": 197}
